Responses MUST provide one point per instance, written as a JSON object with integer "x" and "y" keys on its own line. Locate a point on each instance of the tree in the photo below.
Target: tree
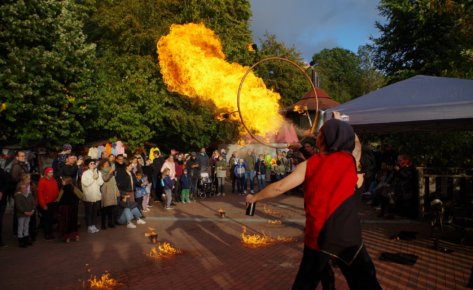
{"x": 370, "y": 79}
{"x": 425, "y": 37}
{"x": 280, "y": 76}
{"x": 45, "y": 73}
{"x": 134, "y": 104}
{"x": 339, "y": 73}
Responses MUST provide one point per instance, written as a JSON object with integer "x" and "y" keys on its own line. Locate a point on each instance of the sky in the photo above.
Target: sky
{"x": 312, "y": 25}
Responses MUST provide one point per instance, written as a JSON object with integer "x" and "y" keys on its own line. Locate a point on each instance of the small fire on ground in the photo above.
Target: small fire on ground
{"x": 164, "y": 250}
{"x": 263, "y": 240}
{"x": 104, "y": 282}
{"x": 267, "y": 210}
{"x": 275, "y": 222}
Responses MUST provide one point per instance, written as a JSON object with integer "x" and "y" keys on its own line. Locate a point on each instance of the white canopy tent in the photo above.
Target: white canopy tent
{"x": 420, "y": 103}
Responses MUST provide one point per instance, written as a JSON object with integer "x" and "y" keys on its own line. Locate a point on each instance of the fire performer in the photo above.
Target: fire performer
{"x": 333, "y": 228}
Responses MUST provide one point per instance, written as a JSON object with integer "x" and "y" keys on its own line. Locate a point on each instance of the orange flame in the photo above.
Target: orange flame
{"x": 257, "y": 241}
{"x": 164, "y": 250}
{"x": 105, "y": 282}
{"x": 271, "y": 212}
{"x": 193, "y": 64}
{"x": 275, "y": 222}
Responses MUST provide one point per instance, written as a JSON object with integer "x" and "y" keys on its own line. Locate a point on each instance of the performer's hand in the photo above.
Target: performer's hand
{"x": 250, "y": 198}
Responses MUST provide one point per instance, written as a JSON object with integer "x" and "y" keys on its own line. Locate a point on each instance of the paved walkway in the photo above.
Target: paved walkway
{"x": 213, "y": 256}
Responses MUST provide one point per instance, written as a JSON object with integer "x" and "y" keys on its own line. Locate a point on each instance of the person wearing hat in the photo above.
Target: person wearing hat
{"x": 48, "y": 192}
{"x": 333, "y": 228}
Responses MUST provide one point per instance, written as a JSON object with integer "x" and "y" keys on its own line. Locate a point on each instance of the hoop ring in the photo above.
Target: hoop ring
{"x": 314, "y": 123}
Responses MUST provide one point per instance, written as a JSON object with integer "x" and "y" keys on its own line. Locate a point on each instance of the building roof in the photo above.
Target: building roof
{"x": 309, "y": 101}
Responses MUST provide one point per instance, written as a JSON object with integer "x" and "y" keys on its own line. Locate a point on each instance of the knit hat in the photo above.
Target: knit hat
{"x": 67, "y": 147}
{"x": 47, "y": 170}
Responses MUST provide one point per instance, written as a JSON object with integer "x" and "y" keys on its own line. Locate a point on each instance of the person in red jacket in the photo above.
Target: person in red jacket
{"x": 48, "y": 192}
{"x": 333, "y": 228}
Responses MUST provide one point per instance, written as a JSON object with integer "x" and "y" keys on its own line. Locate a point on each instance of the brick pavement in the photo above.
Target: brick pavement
{"x": 213, "y": 256}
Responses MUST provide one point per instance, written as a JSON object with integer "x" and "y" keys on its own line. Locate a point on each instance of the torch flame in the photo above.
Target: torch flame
{"x": 193, "y": 64}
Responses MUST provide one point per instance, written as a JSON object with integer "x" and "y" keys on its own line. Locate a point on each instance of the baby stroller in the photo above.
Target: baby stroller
{"x": 206, "y": 186}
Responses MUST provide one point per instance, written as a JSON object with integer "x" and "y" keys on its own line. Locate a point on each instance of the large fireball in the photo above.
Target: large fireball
{"x": 193, "y": 64}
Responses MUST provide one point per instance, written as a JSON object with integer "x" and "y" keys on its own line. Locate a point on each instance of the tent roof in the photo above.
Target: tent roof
{"x": 308, "y": 100}
{"x": 420, "y": 103}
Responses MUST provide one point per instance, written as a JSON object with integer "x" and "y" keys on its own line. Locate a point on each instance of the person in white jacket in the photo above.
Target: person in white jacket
{"x": 91, "y": 182}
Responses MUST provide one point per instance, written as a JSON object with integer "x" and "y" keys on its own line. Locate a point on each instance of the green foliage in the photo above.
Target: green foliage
{"x": 425, "y": 37}
{"x": 135, "y": 105}
{"x": 345, "y": 75}
{"x": 45, "y": 73}
{"x": 280, "y": 76}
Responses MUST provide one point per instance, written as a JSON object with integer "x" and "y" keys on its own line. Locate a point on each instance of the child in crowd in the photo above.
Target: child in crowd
{"x": 24, "y": 206}
{"x": 239, "y": 172}
{"x": 168, "y": 185}
{"x": 185, "y": 187}
{"x": 146, "y": 196}
{"x": 127, "y": 211}
{"x": 68, "y": 210}
{"x": 140, "y": 189}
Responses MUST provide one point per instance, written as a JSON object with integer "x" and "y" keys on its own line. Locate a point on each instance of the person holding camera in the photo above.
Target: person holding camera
{"x": 91, "y": 182}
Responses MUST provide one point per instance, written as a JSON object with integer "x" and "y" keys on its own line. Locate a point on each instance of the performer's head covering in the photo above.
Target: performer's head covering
{"x": 338, "y": 136}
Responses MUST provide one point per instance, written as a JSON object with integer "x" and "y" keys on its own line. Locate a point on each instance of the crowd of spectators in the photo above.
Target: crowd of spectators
{"x": 119, "y": 188}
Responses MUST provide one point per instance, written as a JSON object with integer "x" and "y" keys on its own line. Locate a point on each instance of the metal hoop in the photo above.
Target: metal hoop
{"x": 314, "y": 124}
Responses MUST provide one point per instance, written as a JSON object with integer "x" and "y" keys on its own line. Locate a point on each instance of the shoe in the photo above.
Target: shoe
{"x": 140, "y": 222}
{"x": 95, "y": 229}
{"x": 218, "y": 194}
{"x": 244, "y": 191}
{"x": 150, "y": 205}
{"x": 252, "y": 191}
{"x": 91, "y": 230}
{"x": 168, "y": 207}
{"x": 130, "y": 226}
{"x": 223, "y": 194}
{"x": 183, "y": 202}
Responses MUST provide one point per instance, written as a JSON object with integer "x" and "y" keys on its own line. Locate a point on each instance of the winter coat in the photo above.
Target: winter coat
{"x": 70, "y": 195}
{"x": 18, "y": 168}
{"x": 126, "y": 182}
{"x": 260, "y": 167}
{"x": 172, "y": 168}
{"x": 48, "y": 191}
{"x": 24, "y": 203}
{"x": 250, "y": 162}
{"x": 221, "y": 168}
{"x": 109, "y": 188}
{"x": 167, "y": 183}
{"x": 91, "y": 182}
{"x": 240, "y": 170}
{"x": 185, "y": 181}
